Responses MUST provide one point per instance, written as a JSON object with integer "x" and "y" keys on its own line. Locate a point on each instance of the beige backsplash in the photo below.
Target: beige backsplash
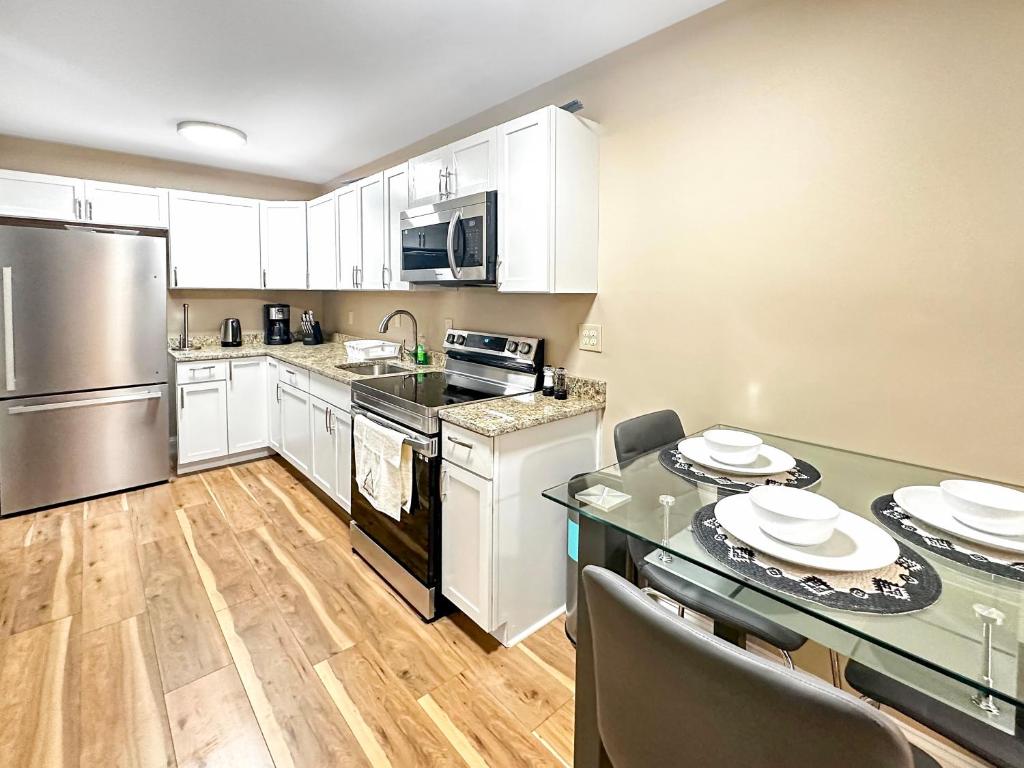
{"x": 207, "y": 309}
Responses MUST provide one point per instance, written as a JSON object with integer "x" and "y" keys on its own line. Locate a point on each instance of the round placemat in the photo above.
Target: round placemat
{"x": 967, "y": 553}
{"x": 803, "y": 475}
{"x": 910, "y": 584}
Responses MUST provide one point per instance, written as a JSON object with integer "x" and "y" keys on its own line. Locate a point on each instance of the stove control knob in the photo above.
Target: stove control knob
{"x": 460, "y": 339}
{"x": 512, "y": 346}
{"x": 525, "y": 348}
{"x": 450, "y": 338}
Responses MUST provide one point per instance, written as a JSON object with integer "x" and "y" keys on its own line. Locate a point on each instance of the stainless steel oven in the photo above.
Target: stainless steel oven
{"x": 453, "y": 242}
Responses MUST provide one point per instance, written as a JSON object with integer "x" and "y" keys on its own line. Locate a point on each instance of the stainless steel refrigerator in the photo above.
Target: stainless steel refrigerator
{"x": 83, "y": 363}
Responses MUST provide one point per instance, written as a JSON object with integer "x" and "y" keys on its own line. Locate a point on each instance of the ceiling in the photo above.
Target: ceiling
{"x": 320, "y": 86}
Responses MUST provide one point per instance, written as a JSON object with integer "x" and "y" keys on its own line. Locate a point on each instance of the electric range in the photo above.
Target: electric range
{"x": 479, "y": 366}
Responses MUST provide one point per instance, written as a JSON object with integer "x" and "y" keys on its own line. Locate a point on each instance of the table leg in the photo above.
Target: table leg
{"x": 606, "y": 547}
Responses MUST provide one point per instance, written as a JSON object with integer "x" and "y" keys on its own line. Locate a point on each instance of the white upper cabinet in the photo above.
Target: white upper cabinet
{"x": 107, "y": 203}
{"x": 350, "y": 247}
{"x": 427, "y": 177}
{"x": 547, "y": 204}
{"x": 396, "y": 200}
{"x": 322, "y": 242}
{"x": 283, "y": 244}
{"x": 371, "y": 232}
{"x": 462, "y": 168}
{"x": 33, "y": 195}
{"x": 214, "y": 241}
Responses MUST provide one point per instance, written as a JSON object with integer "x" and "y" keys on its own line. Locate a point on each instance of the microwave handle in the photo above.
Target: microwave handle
{"x": 456, "y": 272}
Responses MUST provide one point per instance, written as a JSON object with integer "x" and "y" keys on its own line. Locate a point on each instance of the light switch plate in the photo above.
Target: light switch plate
{"x": 351, "y": 317}
{"x": 590, "y": 337}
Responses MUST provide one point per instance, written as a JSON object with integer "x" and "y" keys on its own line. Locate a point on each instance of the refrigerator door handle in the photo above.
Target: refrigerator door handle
{"x": 9, "y": 328}
{"x": 84, "y": 403}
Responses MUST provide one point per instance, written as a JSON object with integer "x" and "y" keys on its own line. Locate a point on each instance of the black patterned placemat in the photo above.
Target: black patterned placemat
{"x": 967, "y": 553}
{"x": 803, "y": 475}
{"x": 910, "y": 584}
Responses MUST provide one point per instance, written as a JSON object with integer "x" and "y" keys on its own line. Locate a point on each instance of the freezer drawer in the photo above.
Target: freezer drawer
{"x": 59, "y": 448}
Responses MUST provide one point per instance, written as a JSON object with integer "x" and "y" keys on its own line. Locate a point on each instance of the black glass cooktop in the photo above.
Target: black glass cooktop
{"x": 434, "y": 390}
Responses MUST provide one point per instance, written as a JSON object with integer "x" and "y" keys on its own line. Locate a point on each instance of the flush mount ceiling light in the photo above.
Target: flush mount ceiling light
{"x": 211, "y": 134}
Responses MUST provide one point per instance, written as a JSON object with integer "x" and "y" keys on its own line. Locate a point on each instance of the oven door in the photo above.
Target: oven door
{"x": 413, "y": 543}
{"x": 454, "y": 242}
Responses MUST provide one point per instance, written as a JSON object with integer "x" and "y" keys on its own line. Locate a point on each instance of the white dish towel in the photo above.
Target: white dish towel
{"x": 383, "y": 466}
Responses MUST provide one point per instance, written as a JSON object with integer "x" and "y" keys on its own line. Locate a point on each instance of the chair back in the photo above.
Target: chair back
{"x": 642, "y": 434}
{"x": 670, "y": 694}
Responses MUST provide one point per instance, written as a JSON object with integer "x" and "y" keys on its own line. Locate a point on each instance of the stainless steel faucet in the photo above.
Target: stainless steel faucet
{"x": 403, "y": 351}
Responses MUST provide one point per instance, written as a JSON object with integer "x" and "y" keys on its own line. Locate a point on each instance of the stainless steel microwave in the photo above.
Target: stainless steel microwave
{"x": 452, "y": 242}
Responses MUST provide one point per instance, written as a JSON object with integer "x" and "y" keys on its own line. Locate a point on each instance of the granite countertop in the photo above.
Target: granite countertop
{"x": 489, "y": 418}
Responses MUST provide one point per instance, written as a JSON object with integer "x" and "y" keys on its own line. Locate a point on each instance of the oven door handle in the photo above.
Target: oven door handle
{"x": 425, "y": 444}
{"x": 456, "y": 271}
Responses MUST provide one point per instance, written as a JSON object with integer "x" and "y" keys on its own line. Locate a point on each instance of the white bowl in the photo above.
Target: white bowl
{"x": 985, "y": 506}
{"x": 794, "y": 516}
{"x": 731, "y": 446}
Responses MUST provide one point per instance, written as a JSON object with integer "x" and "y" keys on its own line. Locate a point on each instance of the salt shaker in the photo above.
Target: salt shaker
{"x": 549, "y": 381}
{"x": 561, "y": 388}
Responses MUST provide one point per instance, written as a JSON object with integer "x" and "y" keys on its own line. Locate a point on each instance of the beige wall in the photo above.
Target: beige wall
{"x": 811, "y": 224}
{"x": 206, "y": 309}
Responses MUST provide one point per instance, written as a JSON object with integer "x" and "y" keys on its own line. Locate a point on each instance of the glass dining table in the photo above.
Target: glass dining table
{"x": 951, "y": 650}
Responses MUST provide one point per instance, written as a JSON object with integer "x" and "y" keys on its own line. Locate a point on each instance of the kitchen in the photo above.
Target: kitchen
{"x": 817, "y": 313}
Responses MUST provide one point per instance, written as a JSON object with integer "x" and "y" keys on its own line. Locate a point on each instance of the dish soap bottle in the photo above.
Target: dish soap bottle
{"x": 421, "y": 351}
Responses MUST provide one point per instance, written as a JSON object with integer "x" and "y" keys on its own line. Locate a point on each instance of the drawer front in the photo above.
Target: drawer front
{"x": 204, "y": 370}
{"x": 293, "y": 376}
{"x": 334, "y": 392}
{"x": 468, "y": 450}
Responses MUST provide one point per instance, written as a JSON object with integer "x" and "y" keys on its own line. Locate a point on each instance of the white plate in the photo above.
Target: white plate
{"x": 925, "y": 503}
{"x": 770, "y": 461}
{"x": 856, "y": 545}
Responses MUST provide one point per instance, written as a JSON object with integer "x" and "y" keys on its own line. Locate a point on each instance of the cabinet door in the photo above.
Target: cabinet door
{"x": 125, "y": 204}
{"x": 396, "y": 200}
{"x": 371, "y": 232}
{"x": 323, "y": 460}
{"x": 202, "y": 421}
{"x": 295, "y": 438}
{"x": 467, "y": 543}
{"x": 283, "y": 244}
{"x": 247, "y": 405}
{"x": 525, "y": 203}
{"x": 350, "y": 246}
{"x": 322, "y": 242}
{"x": 214, "y": 241}
{"x": 33, "y": 195}
{"x": 273, "y": 400}
{"x": 343, "y": 445}
{"x": 473, "y": 165}
{"x": 426, "y": 177}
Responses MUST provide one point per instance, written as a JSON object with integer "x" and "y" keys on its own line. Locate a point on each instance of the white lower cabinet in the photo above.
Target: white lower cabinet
{"x": 343, "y": 444}
{"x": 323, "y": 462}
{"x": 273, "y": 404}
{"x": 295, "y": 434}
{"x": 247, "y": 404}
{"x": 467, "y": 534}
{"x": 202, "y": 421}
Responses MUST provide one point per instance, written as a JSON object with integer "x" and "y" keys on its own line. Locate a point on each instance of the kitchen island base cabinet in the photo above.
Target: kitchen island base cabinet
{"x": 503, "y": 547}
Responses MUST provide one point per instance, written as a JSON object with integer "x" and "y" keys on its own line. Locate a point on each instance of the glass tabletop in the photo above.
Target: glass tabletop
{"x": 944, "y": 638}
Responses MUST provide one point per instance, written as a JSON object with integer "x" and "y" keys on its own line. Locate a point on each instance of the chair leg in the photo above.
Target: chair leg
{"x": 837, "y": 678}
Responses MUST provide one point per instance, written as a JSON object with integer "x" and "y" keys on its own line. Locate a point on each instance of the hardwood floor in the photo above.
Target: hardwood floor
{"x": 222, "y": 621}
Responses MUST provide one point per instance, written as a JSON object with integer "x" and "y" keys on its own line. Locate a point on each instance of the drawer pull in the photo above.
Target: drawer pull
{"x": 460, "y": 443}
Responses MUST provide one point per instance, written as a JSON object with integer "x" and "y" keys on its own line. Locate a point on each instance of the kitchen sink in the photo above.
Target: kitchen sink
{"x": 373, "y": 369}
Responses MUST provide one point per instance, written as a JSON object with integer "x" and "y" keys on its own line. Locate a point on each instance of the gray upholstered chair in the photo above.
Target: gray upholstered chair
{"x": 671, "y": 694}
{"x": 641, "y": 435}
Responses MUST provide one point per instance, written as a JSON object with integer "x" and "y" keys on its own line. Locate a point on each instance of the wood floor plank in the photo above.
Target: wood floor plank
{"x": 13, "y": 531}
{"x": 389, "y": 724}
{"x": 510, "y": 675}
{"x": 326, "y": 522}
{"x": 317, "y": 611}
{"x": 418, "y": 656}
{"x": 39, "y": 678}
{"x": 187, "y": 491}
{"x": 496, "y": 737}
{"x": 153, "y": 515}
{"x": 223, "y": 568}
{"x": 300, "y": 723}
{"x": 213, "y": 725}
{"x": 188, "y": 641}
{"x": 124, "y": 722}
{"x": 111, "y": 580}
{"x": 286, "y": 511}
{"x": 104, "y": 506}
{"x": 556, "y": 733}
{"x": 550, "y": 647}
{"x": 240, "y": 508}
{"x": 51, "y": 585}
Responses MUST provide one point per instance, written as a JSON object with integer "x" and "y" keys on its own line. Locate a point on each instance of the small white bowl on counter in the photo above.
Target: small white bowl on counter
{"x": 985, "y": 506}
{"x": 731, "y": 446}
{"x": 793, "y": 515}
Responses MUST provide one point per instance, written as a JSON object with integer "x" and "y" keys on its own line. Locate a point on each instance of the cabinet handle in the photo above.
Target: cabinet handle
{"x": 264, "y": 278}
{"x": 327, "y": 416}
{"x": 88, "y": 209}
{"x": 447, "y": 182}
{"x": 8, "y": 281}
{"x": 385, "y": 276}
{"x": 440, "y": 177}
{"x": 175, "y": 277}
{"x": 78, "y": 208}
{"x": 460, "y": 443}
{"x": 279, "y": 392}
{"x": 444, "y": 482}
{"x": 231, "y": 373}
{"x": 181, "y": 400}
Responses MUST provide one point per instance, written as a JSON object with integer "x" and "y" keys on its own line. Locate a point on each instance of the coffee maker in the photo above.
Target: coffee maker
{"x": 276, "y": 327}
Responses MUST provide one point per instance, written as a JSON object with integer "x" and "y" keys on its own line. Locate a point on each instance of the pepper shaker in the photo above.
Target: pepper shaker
{"x": 549, "y": 381}
{"x": 561, "y": 387}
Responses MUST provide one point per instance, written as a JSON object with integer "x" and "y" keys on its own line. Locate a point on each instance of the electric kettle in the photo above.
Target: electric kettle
{"x": 231, "y": 333}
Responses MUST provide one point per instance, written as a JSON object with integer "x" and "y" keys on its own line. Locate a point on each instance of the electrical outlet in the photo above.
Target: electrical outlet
{"x": 590, "y": 338}
{"x": 448, "y": 323}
